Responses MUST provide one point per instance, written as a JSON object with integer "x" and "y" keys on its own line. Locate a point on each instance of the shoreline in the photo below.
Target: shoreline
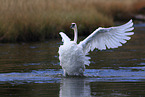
{"x": 70, "y": 33}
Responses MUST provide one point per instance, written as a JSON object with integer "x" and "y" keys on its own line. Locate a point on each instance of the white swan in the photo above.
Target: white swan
{"x": 73, "y": 57}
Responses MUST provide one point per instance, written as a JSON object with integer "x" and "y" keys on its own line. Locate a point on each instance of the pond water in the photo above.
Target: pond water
{"x": 32, "y": 69}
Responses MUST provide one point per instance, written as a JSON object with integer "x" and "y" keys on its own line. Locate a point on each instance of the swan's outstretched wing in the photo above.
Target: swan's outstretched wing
{"x": 65, "y": 38}
{"x": 112, "y": 37}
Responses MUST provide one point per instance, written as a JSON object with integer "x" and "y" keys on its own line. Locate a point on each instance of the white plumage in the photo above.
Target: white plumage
{"x": 73, "y": 57}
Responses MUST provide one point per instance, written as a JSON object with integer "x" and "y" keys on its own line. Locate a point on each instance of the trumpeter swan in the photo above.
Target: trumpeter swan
{"x": 73, "y": 57}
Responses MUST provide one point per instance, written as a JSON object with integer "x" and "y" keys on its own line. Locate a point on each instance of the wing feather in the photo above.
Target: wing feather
{"x": 103, "y": 38}
{"x": 65, "y": 38}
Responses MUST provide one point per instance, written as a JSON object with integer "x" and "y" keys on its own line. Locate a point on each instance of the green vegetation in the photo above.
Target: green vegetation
{"x": 38, "y": 20}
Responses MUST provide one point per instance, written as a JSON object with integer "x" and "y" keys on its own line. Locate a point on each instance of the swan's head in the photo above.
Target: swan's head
{"x": 73, "y": 26}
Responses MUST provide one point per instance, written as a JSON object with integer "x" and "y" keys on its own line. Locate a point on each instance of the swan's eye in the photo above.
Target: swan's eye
{"x": 72, "y": 26}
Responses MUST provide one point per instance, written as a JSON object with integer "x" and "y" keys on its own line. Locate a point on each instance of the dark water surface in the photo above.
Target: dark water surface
{"x": 32, "y": 69}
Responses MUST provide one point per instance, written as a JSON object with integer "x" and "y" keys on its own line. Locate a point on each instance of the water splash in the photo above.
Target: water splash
{"x": 55, "y": 76}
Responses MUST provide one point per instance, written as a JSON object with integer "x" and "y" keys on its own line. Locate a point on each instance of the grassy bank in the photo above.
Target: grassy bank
{"x": 38, "y": 20}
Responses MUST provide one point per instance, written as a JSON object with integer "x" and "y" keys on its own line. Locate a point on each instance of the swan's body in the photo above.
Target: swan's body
{"x": 73, "y": 57}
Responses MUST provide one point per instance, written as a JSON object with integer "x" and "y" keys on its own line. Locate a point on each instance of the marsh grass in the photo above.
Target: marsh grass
{"x": 38, "y": 20}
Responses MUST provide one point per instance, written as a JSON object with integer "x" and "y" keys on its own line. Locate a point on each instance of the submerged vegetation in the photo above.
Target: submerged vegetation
{"x": 38, "y": 20}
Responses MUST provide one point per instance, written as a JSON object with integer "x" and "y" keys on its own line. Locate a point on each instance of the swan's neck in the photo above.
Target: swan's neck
{"x": 75, "y": 34}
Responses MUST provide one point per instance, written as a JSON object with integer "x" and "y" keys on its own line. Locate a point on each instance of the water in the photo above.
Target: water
{"x": 32, "y": 69}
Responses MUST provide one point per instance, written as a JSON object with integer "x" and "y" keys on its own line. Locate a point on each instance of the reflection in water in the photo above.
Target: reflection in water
{"x": 75, "y": 87}
{"x": 82, "y": 87}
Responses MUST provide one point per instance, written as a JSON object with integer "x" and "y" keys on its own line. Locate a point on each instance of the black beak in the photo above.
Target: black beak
{"x": 71, "y": 26}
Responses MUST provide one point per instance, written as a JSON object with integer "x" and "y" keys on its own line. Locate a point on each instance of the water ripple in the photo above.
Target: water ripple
{"x": 55, "y": 76}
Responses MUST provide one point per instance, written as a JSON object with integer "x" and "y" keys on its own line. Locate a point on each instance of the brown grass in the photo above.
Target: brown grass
{"x": 36, "y": 20}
